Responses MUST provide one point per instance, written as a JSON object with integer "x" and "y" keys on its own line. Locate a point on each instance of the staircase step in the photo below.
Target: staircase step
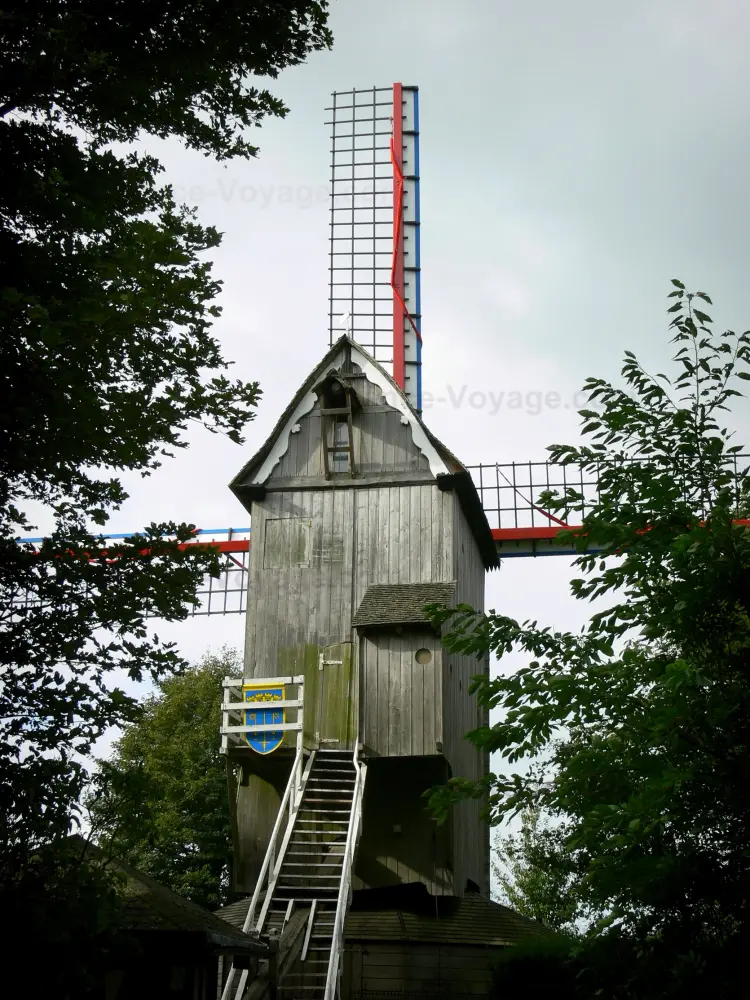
{"x": 319, "y": 843}
{"x": 327, "y": 774}
{"x": 317, "y": 833}
{"x": 324, "y": 778}
{"x": 345, "y": 793}
{"x": 314, "y": 798}
{"x": 313, "y": 864}
{"x": 313, "y": 831}
{"x": 328, "y": 819}
{"x": 314, "y": 854}
{"x": 308, "y": 890}
{"x": 325, "y": 812}
{"x": 305, "y": 875}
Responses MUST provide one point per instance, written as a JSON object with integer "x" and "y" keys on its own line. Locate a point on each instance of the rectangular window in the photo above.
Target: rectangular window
{"x": 287, "y": 542}
{"x": 340, "y": 450}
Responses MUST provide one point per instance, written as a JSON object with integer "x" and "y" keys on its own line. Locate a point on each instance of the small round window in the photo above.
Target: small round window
{"x": 423, "y": 656}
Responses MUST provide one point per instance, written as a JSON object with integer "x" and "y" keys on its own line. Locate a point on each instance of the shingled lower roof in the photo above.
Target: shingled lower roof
{"x": 410, "y": 913}
{"x": 401, "y": 603}
{"x": 149, "y": 906}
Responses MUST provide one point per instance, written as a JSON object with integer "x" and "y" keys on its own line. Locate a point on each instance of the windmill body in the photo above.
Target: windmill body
{"x": 348, "y": 548}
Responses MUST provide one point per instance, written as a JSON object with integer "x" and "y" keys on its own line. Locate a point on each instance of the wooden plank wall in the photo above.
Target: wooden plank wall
{"x": 382, "y": 444}
{"x": 402, "y": 535}
{"x": 402, "y": 700}
{"x": 462, "y": 714}
{"x": 400, "y": 841}
{"x": 292, "y": 605}
{"x": 409, "y": 969}
{"x": 395, "y": 534}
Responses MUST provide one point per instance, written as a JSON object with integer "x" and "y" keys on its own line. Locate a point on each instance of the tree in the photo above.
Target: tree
{"x": 536, "y": 874}
{"x": 638, "y": 727}
{"x": 162, "y": 804}
{"x": 106, "y": 351}
{"x": 71, "y": 905}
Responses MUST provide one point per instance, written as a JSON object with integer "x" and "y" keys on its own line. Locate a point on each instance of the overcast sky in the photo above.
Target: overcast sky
{"x": 574, "y": 158}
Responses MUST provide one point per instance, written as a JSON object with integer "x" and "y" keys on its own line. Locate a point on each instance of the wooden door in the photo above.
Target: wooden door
{"x": 335, "y": 718}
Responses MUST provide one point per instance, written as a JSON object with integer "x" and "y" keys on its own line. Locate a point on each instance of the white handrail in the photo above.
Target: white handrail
{"x": 342, "y": 903}
{"x": 289, "y": 802}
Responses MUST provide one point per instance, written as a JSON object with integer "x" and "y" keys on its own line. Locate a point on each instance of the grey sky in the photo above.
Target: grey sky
{"x": 574, "y": 158}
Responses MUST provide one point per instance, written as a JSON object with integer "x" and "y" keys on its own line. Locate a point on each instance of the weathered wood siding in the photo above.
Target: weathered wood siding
{"x": 378, "y": 970}
{"x": 382, "y": 442}
{"x": 462, "y": 714}
{"x": 402, "y": 535}
{"x": 357, "y": 537}
{"x": 303, "y": 596}
{"x": 400, "y": 841}
{"x": 401, "y": 699}
{"x": 253, "y": 813}
{"x": 314, "y": 555}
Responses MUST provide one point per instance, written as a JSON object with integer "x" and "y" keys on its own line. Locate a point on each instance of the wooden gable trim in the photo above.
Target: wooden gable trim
{"x": 260, "y": 467}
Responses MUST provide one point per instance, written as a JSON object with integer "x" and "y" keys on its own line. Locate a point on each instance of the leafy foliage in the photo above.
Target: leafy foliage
{"x": 536, "y": 874}
{"x": 162, "y": 802}
{"x": 637, "y": 729}
{"x": 106, "y": 351}
{"x": 74, "y": 906}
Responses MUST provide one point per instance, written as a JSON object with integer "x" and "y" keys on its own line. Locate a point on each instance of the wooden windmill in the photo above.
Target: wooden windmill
{"x": 360, "y": 518}
{"x": 349, "y": 708}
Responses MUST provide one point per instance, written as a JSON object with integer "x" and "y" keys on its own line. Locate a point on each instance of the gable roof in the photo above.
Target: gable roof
{"x": 448, "y": 471}
{"x": 150, "y": 906}
{"x": 400, "y": 603}
{"x": 257, "y": 470}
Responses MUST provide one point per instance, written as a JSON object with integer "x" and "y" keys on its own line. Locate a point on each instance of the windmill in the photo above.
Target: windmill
{"x": 349, "y": 707}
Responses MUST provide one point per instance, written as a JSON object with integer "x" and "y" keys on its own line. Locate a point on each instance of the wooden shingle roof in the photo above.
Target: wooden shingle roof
{"x": 410, "y": 913}
{"x": 413, "y": 914}
{"x": 400, "y": 603}
{"x": 148, "y": 906}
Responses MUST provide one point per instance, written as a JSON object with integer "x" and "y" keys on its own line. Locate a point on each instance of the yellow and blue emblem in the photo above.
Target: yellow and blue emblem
{"x": 263, "y": 713}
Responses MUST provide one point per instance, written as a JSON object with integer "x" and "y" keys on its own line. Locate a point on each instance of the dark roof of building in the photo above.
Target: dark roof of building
{"x": 150, "y": 906}
{"x": 236, "y": 912}
{"x": 410, "y": 913}
{"x": 400, "y": 603}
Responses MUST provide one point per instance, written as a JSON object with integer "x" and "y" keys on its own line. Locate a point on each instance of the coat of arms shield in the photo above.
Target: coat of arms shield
{"x": 263, "y": 713}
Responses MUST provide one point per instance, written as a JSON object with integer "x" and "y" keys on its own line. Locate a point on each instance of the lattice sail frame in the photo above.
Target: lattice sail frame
{"x": 509, "y": 493}
{"x": 222, "y": 595}
{"x": 374, "y": 256}
{"x": 374, "y": 268}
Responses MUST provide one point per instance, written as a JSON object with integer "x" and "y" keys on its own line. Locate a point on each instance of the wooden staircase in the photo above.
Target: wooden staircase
{"x": 311, "y": 870}
{"x": 310, "y": 873}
